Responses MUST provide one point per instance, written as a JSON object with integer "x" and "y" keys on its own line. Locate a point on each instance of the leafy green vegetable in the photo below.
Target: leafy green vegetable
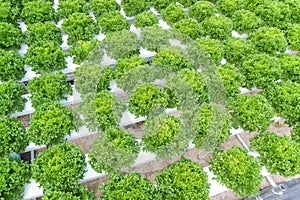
{"x": 202, "y": 10}
{"x": 232, "y": 79}
{"x": 124, "y": 65}
{"x": 14, "y": 175}
{"x": 68, "y": 7}
{"x": 13, "y": 136}
{"x": 79, "y": 26}
{"x": 227, "y": 7}
{"x": 284, "y": 97}
{"x": 205, "y": 117}
{"x": 59, "y": 168}
{"x": 45, "y": 57}
{"x": 49, "y": 88}
{"x": 251, "y": 112}
{"x": 10, "y": 36}
{"x": 213, "y": 47}
{"x": 145, "y": 97}
{"x": 108, "y": 109}
{"x": 11, "y": 99}
{"x": 11, "y": 66}
{"x": 82, "y": 49}
{"x": 173, "y": 13}
{"x": 293, "y": 37}
{"x": 295, "y": 134}
{"x": 80, "y": 193}
{"x": 278, "y": 153}
{"x": 8, "y": 12}
{"x": 160, "y": 5}
{"x": 184, "y": 180}
{"x": 172, "y": 57}
{"x": 237, "y": 170}
{"x": 196, "y": 82}
{"x": 217, "y": 27}
{"x": 101, "y": 7}
{"x": 269, "y": 40}
{"x": 50, "y": 123}
{"x": 290, "y": 65}
{"x": 260, "y": 70}
{"x": 187, "y": 3}
{"x": 46, "y": 31}
{"x": 252, "y": 4}
{"x": 112, "y": 22}
{"x": 145, "y": 19}
{"x": 134, "y": 7}
{"x": 238, "y": 50}
{"x": 245, "y": 21}
{"x": 114, "y": 150}
{"x": 131, "y": 186}
{"x": 38, "y": 11}
{"x": 188, "y": 27}
{"x": 122, "y": 44}
{"x": 274, "y": 13}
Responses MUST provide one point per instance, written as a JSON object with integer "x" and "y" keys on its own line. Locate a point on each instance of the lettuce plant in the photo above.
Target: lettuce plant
{"x": 164, "y": 136}
{"x": 131, "y": 186}
{"x": 101, "y": 7}
{"x": 187, "y": 3}
{"x": 245, "y": 21}
{"x": 50, "y": 123}
{"x": 294, "y": 6}
{"x": 227, "y": 7}
{"x": 10, "y": 36}
{"x": 60, "y": 167}
{"x": 232, "y": 79}
{"x": 269, "y": 40}
{"x": 79, "y": 193}
{"x": 145, "y": 19}
{"x": 145, "y": 97}
{"x": 196, "y": 82}
{"x": 252, "y": 4}
{"x": 260, "y": 70}
{"x": 290, "y": 66}
{"x": 14, "y": 175}
{"x": 13, "y": 136}
{"x": 251, "y": 113}
{"x": 49, "y": 88}
{"x": 184, "y": 180}
{"x": 134, "y": 7}
{"x": 82, "y": 49}
{"x": 293, "y": 37}
{"x": 173, "y": 58}
{"x": 188, "y": 27}
{"x": 205, "y": 125}
{"x": 38, "y": 11}
{"x": 68, "y": 7}
{"x": 284, "y": 97}
{"x": 213, "y": 47}
{"x": 40, "y": 31}
{"x": 237, "y": 170}
{"x": 79, "y": 26}
{"x": 8, "y": 12}
{"x": 112, "y": 22}
{"x": 202, "y": 10}
{"x": 124, "y": 65}
{"x": 279, "y": 154}
{"x": 295, "y": 133}
{"x": 173, "y": 13}
{"x": 11, "y": 66}
{"x": 238, "y": 50}
{"x": 274, "y": 13}
{"x": 217, "y": 27}
{"x": 113, "y": 150}
{"x": 11, "y": 99}
{"x": 122, "y": 44}
{"x": 45, "y": 57}
{"x": 108, "y": 110}
{"x": 160, "y": 5}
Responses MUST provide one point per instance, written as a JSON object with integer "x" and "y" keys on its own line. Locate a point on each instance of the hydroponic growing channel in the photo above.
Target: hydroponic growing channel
{"x": 150, "y": 82}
